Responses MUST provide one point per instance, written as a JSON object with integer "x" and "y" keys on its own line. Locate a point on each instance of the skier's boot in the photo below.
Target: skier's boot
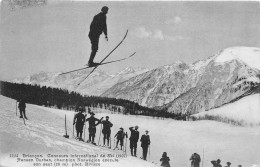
{"x": 21, "y": 116}
{"x": 93, "y": 64}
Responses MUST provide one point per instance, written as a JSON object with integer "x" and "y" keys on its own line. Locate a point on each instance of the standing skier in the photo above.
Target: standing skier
{"x": 195, "y": 160}
{"x": 216, "y": 163}
{"x": 97, "y": 27}
{"x": 165, "y": 160}
{"x": 120, "y": 135}
{"x": 106, "y": 130}
{"x": 92, "y": 127}
{"x": 145, "y": 142}
{"x": 79, "y": 120}
{"x": 22, "y": 107}
{"x": 134, "y": 139}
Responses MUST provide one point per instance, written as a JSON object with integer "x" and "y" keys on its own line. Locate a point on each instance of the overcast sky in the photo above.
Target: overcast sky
{"x": 53, "y": 37}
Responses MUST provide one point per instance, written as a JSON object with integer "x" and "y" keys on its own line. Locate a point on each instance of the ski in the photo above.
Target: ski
{"x": 99, "y": 64}
{"x": 104, "y": 58}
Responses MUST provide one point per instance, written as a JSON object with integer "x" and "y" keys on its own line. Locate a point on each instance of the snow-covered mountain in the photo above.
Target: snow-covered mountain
{"x": 193, "y": 88}
{"x": 96, "y": 84}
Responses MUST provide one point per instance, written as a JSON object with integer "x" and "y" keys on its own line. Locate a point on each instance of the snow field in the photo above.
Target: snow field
{"x": 43, "y": 134}
{"x": 245, "y": 110}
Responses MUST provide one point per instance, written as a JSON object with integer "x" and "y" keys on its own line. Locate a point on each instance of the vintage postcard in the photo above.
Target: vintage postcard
{"x": 129, "y": 83}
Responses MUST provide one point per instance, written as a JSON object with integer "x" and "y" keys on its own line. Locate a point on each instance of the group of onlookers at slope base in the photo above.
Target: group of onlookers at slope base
{"x": 80, "y": 119}
{"x": 195, "y": 161}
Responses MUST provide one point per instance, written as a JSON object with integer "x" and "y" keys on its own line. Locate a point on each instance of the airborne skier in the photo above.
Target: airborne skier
{"x": 97, "y": 27}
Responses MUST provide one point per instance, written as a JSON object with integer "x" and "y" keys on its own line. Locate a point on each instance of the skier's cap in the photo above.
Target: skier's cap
{"x": 107, "y": 116}
{"x": 121, "y": 128}
{"x": 104, "y": 9}
{"x": 92, "y": 113}
{"x": 146, "y": 130}
{"x": 218, "y": 160}
{"x": 136, "y": 126}
{"x": 228, "y": 163}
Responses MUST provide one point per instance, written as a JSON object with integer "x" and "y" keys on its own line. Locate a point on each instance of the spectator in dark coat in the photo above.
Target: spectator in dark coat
{"x": 106, "y": 130}
{"x": 134, "y": 139}
{"x": 216, "y": 163}
{"x": 165, "y": 160}
{"x": 22, "y": 107}
{"x": 79, "y": 120}
{"x": 93, "y": 122}
{"x": 145, "y": 142}
{"x": 195, "y": 160}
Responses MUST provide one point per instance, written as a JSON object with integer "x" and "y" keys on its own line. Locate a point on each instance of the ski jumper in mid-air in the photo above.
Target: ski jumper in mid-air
{"x": 97, "y": 27}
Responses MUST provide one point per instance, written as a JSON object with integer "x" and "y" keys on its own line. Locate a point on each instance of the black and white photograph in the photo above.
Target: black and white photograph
{"x": 129, "y": 83}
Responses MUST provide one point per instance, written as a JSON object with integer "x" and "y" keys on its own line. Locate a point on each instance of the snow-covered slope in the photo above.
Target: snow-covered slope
{"x": 203, "y": 85}
{"x": 245, "y": 111}
{"x": 44, "y": 130}
{"x": 96, "y": 84}
{"x": 43, "y": 134}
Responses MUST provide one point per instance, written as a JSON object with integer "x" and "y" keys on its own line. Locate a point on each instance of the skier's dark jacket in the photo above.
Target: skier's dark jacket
{"x": 92, "y": 121}
{"x": 216, "y": 164}
{"x": 165, "y": 161}
{"x": 134, "y": 135}
{"x": 145, "y": 140}
{"x": 79, "y": 119}
{"x": 98, "y": 25}
{"x": 106, "y": 126}
{"x": 120, "y": 135}
{"x": 22, "y": 105}
{"x": 195, "y": 160}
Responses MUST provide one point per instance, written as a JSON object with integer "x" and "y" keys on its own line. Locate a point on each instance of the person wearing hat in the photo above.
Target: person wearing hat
{"x": 22, "y": 107}
{"x": 228, "y": 164}
{"x": 195, "y": 160}
{"x": 120, "y": 135}
{"x": 216, "y": 163}
{"x": 145, "y": 142}
{"x": 165, "y": 160}
{"x": 93, "y": 122}
{"x": 106, "y": 130}
{"x": 79, "y": 120}
{"x": 97, "y": 27}
{"x": 134, "y": 139}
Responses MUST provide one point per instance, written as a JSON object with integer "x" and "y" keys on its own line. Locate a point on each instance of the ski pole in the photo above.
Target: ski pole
{"x": 99, "y": 134}
{"x": 66, "y": 135}
{"x": 149, "y": 152}
{"x": 110, "y": 141}
{"x": 203, "y": 157}
{"x": 16, "y": 107}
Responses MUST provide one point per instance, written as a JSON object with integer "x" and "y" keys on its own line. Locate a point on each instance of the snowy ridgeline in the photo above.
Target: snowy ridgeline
{"x": 45, "y": 128}
{"x": 245, "y": 112}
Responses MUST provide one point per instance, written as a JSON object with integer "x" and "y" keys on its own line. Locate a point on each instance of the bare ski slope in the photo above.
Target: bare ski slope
{"x": 44, "y": 130}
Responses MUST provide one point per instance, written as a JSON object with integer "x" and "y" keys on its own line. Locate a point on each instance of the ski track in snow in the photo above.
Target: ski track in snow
{"x": 45, "y": 128}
